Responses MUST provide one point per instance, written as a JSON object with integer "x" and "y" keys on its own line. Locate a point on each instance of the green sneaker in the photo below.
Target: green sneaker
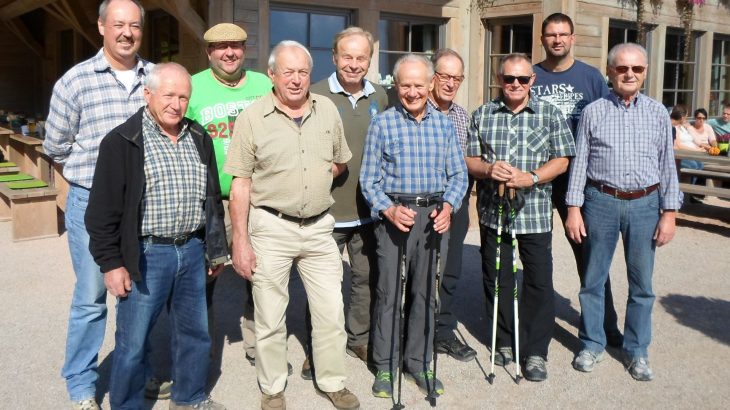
{"x": 383, "y": 384}
{"x": 426, "y": 382}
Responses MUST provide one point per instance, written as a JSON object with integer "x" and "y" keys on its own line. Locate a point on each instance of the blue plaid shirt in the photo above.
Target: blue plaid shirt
{"x": 87, "y": 103}
{"x": 627, "y": 148}
{"x": 403, "y": 156}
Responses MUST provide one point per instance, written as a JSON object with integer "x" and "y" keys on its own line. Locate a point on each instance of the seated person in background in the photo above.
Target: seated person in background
{"x": 721, "y": 125}
{"x": 684, "y": 141}
{"x": 702, "y": 134}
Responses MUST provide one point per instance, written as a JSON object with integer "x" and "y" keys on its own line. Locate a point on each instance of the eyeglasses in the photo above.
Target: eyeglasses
{"x": 557, "y": 35}
{"x": 623, "y": 69}
{"x": 522, "y": 79}
{"x": 446, "y": 77}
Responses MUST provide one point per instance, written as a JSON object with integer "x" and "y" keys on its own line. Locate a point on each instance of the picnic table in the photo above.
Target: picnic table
{"x": 716, "y": 170}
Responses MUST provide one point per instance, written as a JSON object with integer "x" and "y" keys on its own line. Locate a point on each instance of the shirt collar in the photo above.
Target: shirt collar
{"x": 435, "y": 106}
{"x": 150, "y": 123}
{"x": 101, "y": 64}
{"x": 618, "y": 100}
{"x": 336, "y": 87}
{"x": 429, "y": 110}
{"x": 271, "y": 104}
{"x": 531, "y": 103}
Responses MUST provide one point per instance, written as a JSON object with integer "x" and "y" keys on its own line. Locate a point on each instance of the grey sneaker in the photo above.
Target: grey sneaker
{"x": 86, "y": 404}
{"x": 156, "y": 389}
{"x": 503, "y": 357}
{"x": 535, "y": 369}
{"x": 207, "y": 404}
{"x": 586, "y": 360}
{"x": 426, "y": 382}
{"x": 273, "y": 401}
{"x": 383, "y": 384}
{"x": 639, "y": 369}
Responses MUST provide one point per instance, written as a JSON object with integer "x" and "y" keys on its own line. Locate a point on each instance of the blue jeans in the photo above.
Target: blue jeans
{"x": 87, "y": 320}
{"x": 636, "y": 220}
{"x": 177, "y": 273}
{"x": 691, "y": 164}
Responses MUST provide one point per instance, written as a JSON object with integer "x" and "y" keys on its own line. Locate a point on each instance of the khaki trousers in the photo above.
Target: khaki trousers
{"x": 277, "y": 243}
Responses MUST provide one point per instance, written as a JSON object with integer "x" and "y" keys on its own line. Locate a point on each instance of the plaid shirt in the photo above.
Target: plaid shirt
{"x": 527, "y": 140}
{"x": 87, "y": 103}
{"x": 175, "y": 182}
{"x": 459, "y": 118}
{"x": 403, "y": 156}
{"x": 627, "y": 148}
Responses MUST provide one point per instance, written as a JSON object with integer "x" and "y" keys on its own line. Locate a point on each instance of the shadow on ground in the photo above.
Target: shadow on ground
{"x": 705, "y": 217}
{"x": 707, "y": 315}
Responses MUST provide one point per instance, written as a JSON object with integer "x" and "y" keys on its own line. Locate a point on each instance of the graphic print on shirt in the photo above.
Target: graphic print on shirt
{"x": 564, "y": 96}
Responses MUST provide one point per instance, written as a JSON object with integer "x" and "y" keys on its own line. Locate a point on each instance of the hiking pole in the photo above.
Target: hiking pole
{"x": 513, "y": 216}
{"x": 432, "y": 395}
{"x": 500, "y": 213}
{"x": 402, "y": 267}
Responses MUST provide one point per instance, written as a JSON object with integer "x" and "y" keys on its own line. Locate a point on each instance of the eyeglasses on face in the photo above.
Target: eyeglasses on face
{"x": 557, "y": 35}
{"x": 522, "y": 79}
{"x": 446, "y": 77}
{"x": 623, "y": 69}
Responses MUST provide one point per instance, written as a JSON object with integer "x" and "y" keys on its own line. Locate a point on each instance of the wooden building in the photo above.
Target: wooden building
{"x": 40, "y": 39}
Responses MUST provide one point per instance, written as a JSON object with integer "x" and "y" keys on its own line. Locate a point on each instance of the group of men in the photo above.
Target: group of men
{"x": 169, "y": 174}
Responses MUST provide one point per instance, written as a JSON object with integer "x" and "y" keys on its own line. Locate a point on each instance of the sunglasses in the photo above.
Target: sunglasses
{"x": 522, "y": 79}
{"x": 623, "y": 69}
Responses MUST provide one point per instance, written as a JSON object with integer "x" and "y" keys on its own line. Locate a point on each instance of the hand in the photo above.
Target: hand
{"x": 400, "y": 216}
{"x": 520, "y": 180}
{"x": 574, "y": 227}
{"x": 665, "y": 228}
{"x": 244, "y": 260}
{"x": 501, "y": 171}
{"x": 442, "y": 219}
{"x": 216, "y": 270}
{"x": 118, "y": 282}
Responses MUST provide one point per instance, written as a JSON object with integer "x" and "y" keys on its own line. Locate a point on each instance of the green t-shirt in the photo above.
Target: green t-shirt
{"x": 216, "y": 107}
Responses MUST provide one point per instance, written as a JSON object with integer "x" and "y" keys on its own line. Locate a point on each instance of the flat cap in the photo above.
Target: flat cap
{"x": 225, "y": 32}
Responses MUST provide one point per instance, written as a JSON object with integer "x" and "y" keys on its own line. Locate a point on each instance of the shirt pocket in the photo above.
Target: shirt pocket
{"x": 326, "y": 146}
{"x": 537, "y": 140}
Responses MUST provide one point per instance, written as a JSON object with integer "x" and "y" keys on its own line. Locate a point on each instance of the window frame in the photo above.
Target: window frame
{"x": 488, "y": 52}
{"x": 718, "y": 108}
{"x": 694, "y": 63}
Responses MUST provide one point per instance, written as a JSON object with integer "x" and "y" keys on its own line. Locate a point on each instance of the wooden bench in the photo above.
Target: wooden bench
{"x": 8, "y": 168}
{"x": 52, "y": 174}
{"x": 22, "y": 151}
{"x": 5, "y": 140}
{"x": 32, "y": 212}
{"x": 704, "y": 190}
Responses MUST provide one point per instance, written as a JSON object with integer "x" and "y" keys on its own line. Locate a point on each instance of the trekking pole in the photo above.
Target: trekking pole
{"x": 432, "y": 395}
{"x": 402, "y": 267}
{"x": 513, "y": 216}
{"x": 500, "y": 214}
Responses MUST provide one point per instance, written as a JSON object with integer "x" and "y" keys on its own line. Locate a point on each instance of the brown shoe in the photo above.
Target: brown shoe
{"x": 358, "y": 352}
{"x": 273, "y": 401}
{"x": 307, "y": 370}
{"x": 344, "y": 400}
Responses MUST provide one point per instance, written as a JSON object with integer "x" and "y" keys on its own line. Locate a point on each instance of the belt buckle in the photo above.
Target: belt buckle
{"x": 421, "y": 201}
{"x": 180, "y": 240}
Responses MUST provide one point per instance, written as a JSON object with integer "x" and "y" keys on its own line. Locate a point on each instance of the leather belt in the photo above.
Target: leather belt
{"x": 422, "y": 201}
{"x": 174, "y": 240}
{"x": 627, "y": 195}
{"x": 301, "y": 221}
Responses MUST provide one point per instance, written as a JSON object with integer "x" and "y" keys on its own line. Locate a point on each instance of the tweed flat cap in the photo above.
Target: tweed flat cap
{"x": 225, "y": 32}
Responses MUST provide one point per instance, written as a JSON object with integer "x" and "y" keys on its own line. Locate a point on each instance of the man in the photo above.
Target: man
{"x": 287, "y": 147}
{"x": 624, "y": 178}
{"x": 721, "y": 126}
{"x": 154, "y": 217}
{"x": 413, "y": 177}
{"x": 221, "y": 92}
{"x": 90, "y": 100}
{"x": 357, "y": 100}
{"x": 570, "y": 85}
{"x": 522, "y": 142}
{"x": 448, "y": 76}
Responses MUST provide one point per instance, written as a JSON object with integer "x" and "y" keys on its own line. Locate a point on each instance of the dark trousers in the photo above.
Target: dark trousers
{"x": 537, "y": 306}
{"x": 610, "y": 318}
{"x": 420, "y": 247}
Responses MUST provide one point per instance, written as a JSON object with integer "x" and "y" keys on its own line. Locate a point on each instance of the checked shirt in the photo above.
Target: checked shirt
{"x": 175, "y": 182}
{"x": 460, "y": 118}
{"x": 527, "y": 140}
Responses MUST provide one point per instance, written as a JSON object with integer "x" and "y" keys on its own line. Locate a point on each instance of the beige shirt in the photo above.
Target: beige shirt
{"x": 290, "y": 166}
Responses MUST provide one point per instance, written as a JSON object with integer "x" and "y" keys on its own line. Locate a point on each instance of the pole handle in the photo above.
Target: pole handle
{"x": 500, "y": 190}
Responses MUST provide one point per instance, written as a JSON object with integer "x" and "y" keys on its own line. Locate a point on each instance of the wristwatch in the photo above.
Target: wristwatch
{"x": 535, "y": 178}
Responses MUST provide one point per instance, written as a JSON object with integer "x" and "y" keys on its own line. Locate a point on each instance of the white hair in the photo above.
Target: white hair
{"x": 287, "y": 44}
{"x": 626, "y": 47}
{"x": 152, "y": 80}
{"x": 413, "y": 58}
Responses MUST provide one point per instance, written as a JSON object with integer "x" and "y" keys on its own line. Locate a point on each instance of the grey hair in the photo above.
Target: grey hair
{"x": 413, "y": 58}
{"x": 354, "y": 31}
{"x": 104, "y": 4}
{"x": 287, "y": 44}
{"x": 618, "y": 48}
{"x": 514, "y": 57}
{"x": 152, "y": 80}
{"x": 445, "y": 52}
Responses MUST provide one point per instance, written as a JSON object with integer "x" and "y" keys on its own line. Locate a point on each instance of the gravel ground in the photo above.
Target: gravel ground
{"x": 689, "y": 353}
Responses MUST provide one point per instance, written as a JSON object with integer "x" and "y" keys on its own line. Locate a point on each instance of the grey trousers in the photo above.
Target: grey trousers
{"x": 420, "y": 246}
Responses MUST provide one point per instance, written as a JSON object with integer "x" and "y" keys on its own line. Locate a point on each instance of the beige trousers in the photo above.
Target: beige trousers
{"x": 277, "y": 244}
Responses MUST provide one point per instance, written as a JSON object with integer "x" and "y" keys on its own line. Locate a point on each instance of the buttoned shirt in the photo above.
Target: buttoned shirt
{"x": 526, "y": 140}
{"x": 625, "y": 147}
{"x": 290, "y": 165}
{"x": 459, "y": 118}
{"x": 405, "y": 156}
{"x": 175, "y": 182}
{"x": 87, "y": 103}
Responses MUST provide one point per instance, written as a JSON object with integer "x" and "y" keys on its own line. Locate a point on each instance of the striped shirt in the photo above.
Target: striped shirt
{"x": 627, "y": 148}
{"x": 87, "y": 103}
{"x": 527, "y": 140}
{"x": 404, "y": 156}
{"x": 175, "y": 182}
{"x": 459, "y": 118}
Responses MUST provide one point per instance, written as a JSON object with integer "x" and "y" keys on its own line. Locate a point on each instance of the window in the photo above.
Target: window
{"x": 505, "y": 37}
{"x": 402, "y": 35}
{"x": 165, "y": 44}
{"x": 620, "y": 32}
{"x": 314, "y": 28}
{"x": 679, "y": 76}
{"x": 720, "y": 80}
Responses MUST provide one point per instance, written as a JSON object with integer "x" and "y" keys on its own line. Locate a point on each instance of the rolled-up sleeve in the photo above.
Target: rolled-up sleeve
{"x": 240, "y": 159}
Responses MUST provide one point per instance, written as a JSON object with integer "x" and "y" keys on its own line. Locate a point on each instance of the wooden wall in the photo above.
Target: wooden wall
{"x": 20, "y": 73}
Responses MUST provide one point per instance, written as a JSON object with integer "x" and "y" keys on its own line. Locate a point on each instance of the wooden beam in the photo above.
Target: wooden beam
{"x": 74, "y": 17}
{"x": 17, "y": 27}
{"x": 20, "y": 7}
{"x": 187, "y": 17}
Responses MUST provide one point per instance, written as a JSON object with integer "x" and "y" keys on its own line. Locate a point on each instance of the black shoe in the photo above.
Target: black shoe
{"x": 252, "y": 362}
{"x": 535, "y": 369}
{"x": 503, "y": 356}
{"x": 614, "y": 339}
{"x": 456, "y": 349}
{"x": 307, "y": 370}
